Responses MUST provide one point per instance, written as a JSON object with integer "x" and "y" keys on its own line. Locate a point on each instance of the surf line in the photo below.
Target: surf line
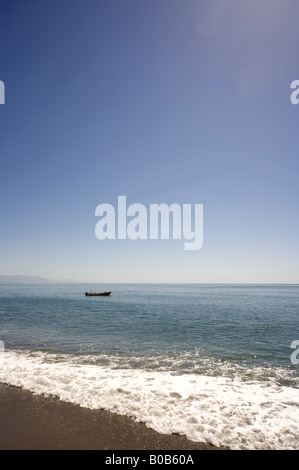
{"x": 153, "y": 226}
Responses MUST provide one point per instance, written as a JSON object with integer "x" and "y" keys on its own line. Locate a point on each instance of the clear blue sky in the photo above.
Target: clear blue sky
{"x": 162, "y": 101}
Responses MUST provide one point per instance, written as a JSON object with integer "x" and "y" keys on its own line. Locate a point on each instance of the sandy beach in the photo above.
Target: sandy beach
{"x": 35, "y": 422}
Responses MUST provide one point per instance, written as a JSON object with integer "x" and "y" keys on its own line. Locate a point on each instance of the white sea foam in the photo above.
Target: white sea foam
{"x": 220, "y": 410}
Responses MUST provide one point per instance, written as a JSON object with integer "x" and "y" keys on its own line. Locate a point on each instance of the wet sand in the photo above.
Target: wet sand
{"x": 34, "y": 422}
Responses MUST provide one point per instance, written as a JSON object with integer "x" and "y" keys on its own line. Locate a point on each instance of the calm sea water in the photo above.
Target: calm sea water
{"x": 212, "y": 362}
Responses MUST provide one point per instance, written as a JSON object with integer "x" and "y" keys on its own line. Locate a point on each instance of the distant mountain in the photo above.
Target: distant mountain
{"x": 20, "y": 279}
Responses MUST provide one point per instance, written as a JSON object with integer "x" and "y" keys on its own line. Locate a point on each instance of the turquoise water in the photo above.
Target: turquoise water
{"x": 179, "y": 332}
{"x": 247, "y": 324}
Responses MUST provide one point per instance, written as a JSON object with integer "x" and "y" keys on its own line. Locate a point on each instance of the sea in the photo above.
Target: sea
{"x": 216, "y": 363}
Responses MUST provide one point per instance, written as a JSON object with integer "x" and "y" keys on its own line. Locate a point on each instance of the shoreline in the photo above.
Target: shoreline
{"x": 38, "y": 422}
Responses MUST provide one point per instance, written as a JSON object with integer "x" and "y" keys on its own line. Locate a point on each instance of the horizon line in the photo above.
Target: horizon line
{"x": 44, "y": 280}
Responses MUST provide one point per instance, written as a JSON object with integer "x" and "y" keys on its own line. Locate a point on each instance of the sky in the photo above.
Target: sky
{"x": 163, "y": 101}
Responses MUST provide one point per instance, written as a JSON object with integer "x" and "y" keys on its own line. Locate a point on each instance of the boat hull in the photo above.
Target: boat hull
{"x": 97, "y": 294}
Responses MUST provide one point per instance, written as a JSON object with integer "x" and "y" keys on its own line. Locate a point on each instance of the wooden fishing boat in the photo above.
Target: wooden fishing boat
{"x": 90, "y": 294}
